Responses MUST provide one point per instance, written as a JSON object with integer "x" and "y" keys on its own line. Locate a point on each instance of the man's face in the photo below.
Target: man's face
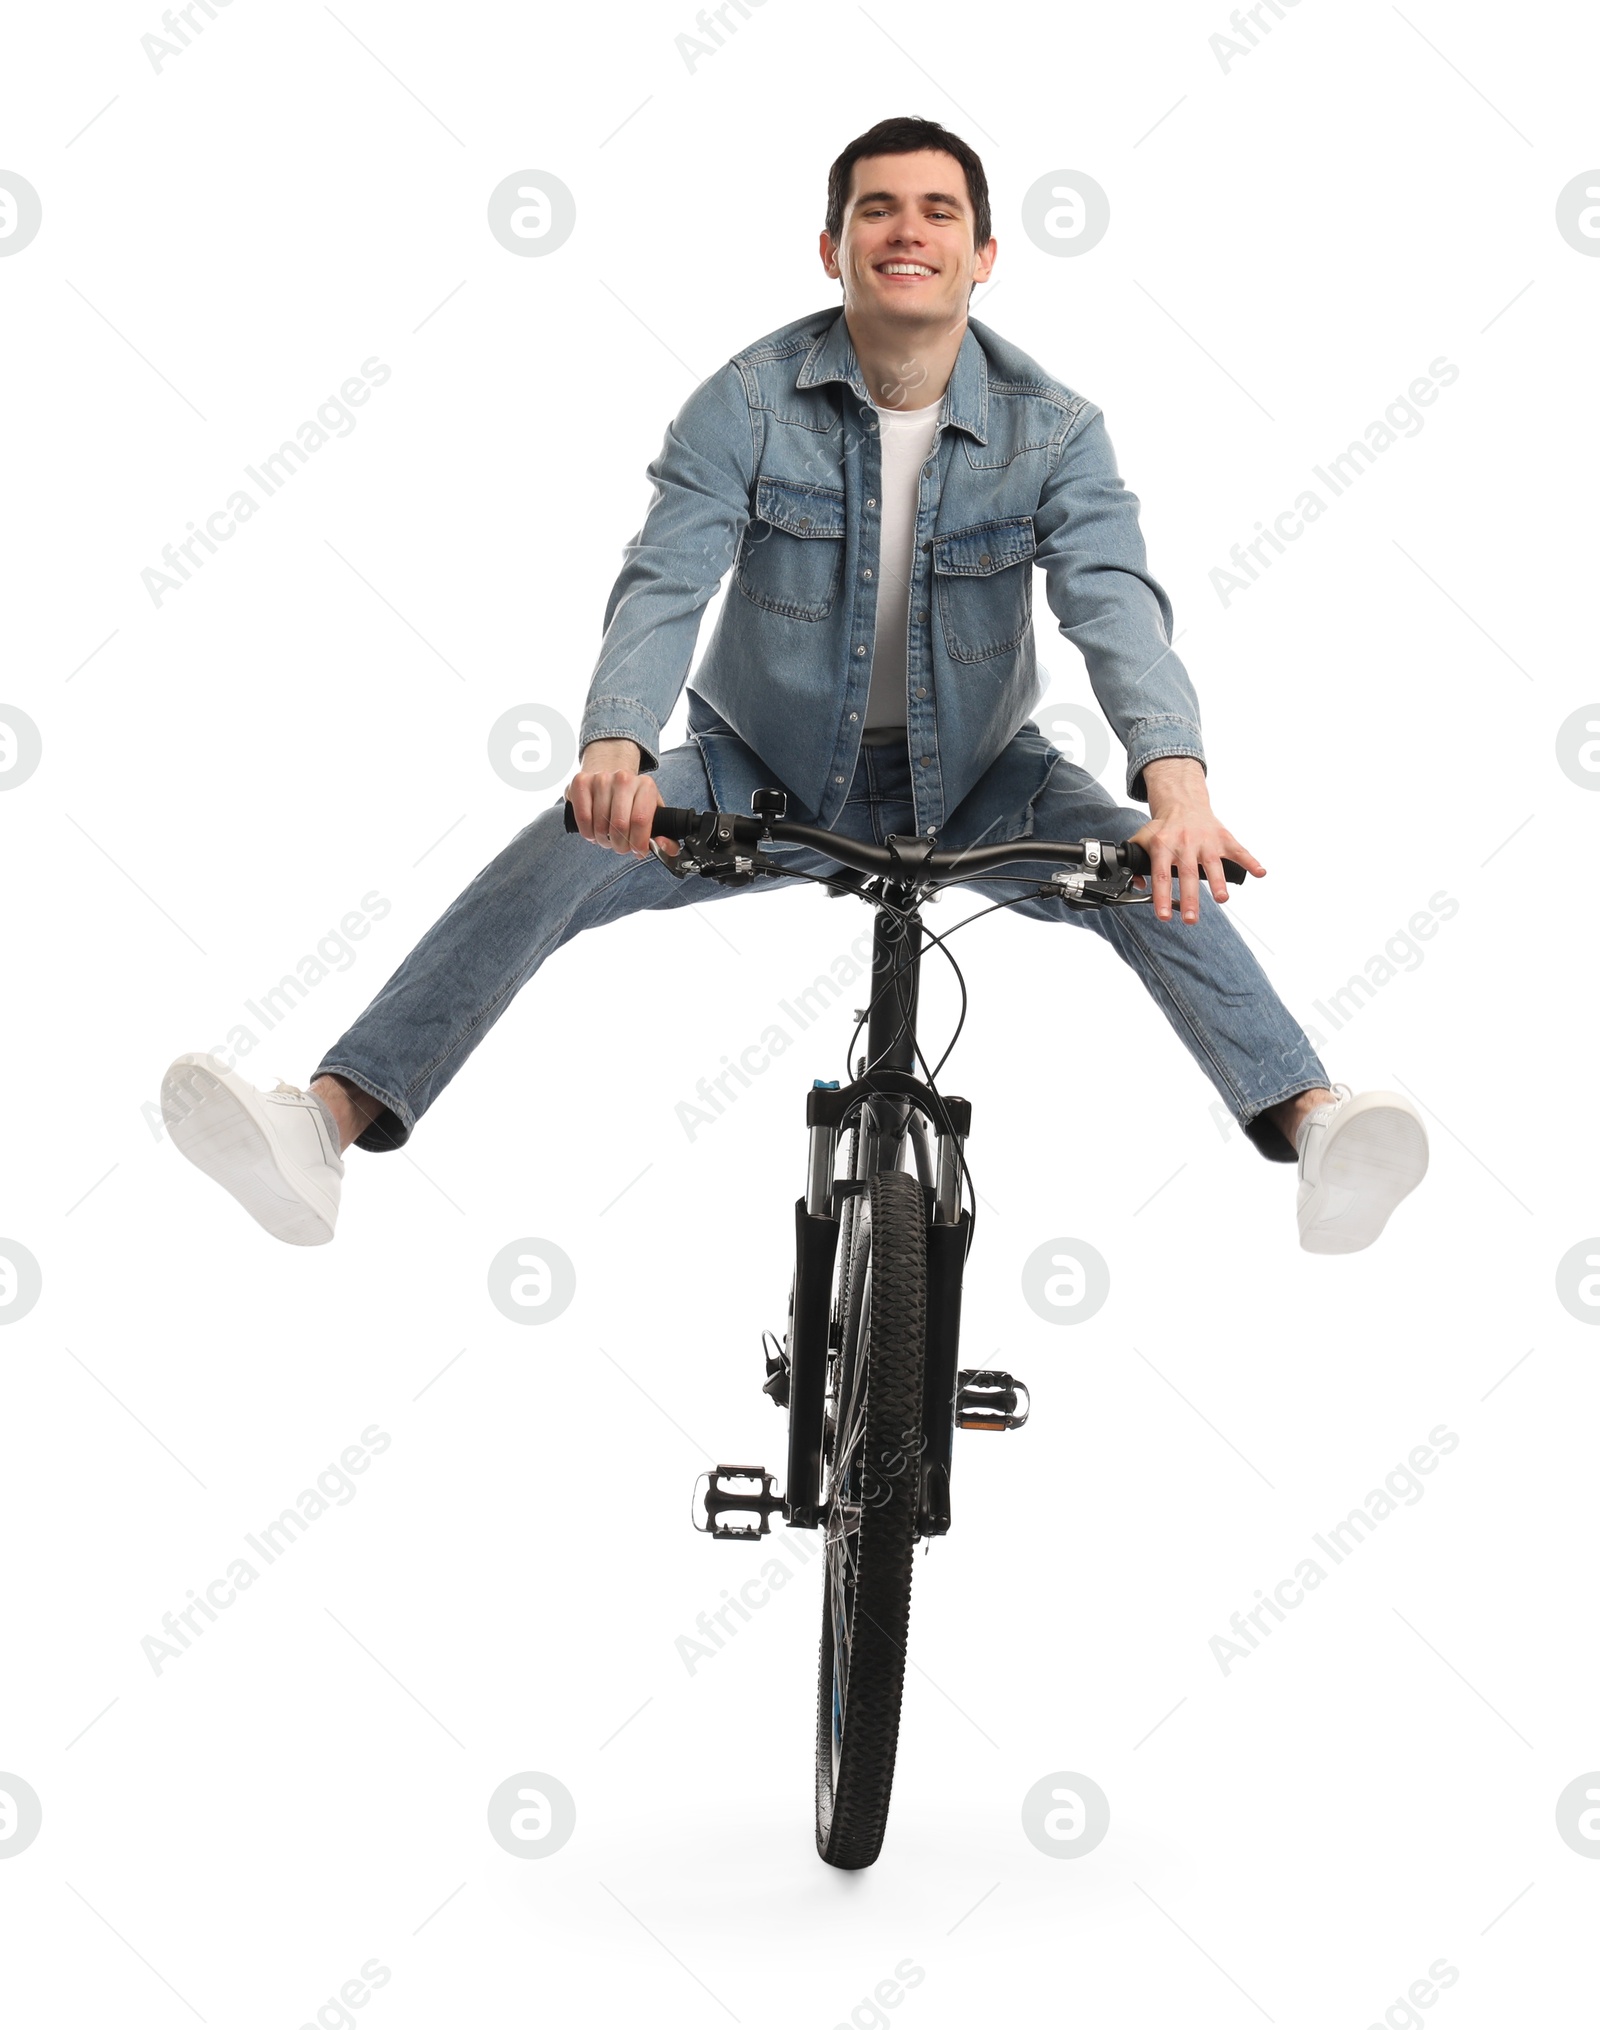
{"x": 905, "y": 253}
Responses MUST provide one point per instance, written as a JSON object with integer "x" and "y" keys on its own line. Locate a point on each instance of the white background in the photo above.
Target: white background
{"x": 1293, "y": 240}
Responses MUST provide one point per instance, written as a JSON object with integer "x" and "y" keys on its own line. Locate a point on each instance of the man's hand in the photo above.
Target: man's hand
{"x": 1186, "y": 834}
{"x": 614, "y": 803}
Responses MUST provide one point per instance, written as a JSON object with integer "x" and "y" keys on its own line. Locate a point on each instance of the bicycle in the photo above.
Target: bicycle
{"x": 868, "y": 1369}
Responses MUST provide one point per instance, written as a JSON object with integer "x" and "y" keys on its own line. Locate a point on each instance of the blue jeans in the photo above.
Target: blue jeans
{"x": 547, "y": 885}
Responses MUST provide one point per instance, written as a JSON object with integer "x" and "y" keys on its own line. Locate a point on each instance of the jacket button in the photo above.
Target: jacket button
{"x": 922, "y": 692}
{"x": 923, "y": 763}
{"x": 838, "y": 778}
{"x": 805, "y": 523}
{"x": 870, "y": 501}
{"x": 860, "y": 651}
{"x": 984, "y": 558}
{"x": 866, "y": 574}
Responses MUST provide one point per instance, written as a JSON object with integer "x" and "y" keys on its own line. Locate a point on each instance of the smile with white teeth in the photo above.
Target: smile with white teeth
{"x": 904, "y": 268}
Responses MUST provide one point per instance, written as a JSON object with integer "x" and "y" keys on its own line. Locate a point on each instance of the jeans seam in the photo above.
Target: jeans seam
{"x": 505, "y": 993}
{"x": 1248, "y": 1111}
{"x": 1192, "y": 1023}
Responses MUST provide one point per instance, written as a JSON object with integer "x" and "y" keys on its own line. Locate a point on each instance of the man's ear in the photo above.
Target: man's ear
{"x": 830, "y": 259}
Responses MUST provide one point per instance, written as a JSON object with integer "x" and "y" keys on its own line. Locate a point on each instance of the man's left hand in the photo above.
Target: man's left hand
{"x": 1186, "y": 836}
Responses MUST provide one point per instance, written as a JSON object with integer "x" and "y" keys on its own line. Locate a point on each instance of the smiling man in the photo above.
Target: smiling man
{"x": 884, "y": 480}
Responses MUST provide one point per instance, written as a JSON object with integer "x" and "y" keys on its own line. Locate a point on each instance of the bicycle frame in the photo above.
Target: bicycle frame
{"x": 887, "y": 1105}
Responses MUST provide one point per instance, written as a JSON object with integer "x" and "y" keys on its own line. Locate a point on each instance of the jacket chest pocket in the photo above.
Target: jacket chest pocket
{"x": 984, "y": 577}
{"x": 791, "y": 551}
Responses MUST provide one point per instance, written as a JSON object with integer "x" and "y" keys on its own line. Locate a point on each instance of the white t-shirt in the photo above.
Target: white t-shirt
{"x": 906, "y": 437}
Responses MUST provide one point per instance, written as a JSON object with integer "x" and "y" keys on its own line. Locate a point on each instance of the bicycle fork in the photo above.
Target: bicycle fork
{"x": 883, "y": 1103}
{"x": 885, "y": 1097}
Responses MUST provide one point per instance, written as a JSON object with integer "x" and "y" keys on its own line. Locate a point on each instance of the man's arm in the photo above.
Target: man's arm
{"x": 703, "y": 479}
{"x": 1112, "y": 610}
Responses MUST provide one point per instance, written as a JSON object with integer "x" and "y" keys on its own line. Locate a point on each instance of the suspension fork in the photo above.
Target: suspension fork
{"x": 818, "y": 1230}
{"x": 947, "y": 1256}
{"x": 891, "y": 1034}
{"x": 882, "y": 1127}
{"x": 816, "y": 1245}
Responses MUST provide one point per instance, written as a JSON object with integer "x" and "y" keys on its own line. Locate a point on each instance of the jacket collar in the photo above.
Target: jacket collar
{"x": 966, "y": 399}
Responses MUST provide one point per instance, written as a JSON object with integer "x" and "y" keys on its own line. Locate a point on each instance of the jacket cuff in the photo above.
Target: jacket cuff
{"x": 610, "y": 718}
{"x": 1158, "y": 739}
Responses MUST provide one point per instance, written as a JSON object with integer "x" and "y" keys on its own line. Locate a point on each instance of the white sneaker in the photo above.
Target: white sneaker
{"x": 273, "y": 1151}
{"x": 1359, "y": 1156}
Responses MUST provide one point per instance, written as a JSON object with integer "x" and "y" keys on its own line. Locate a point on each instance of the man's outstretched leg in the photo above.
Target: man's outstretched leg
{"x": 280, "y": 1153}
{"x": 1358, "y": 1154}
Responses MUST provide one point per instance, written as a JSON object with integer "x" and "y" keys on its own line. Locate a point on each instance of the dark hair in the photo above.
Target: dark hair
{"x": 908, "y": 136}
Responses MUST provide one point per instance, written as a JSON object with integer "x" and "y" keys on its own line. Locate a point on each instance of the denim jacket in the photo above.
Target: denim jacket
{"x": 772, "y": 467}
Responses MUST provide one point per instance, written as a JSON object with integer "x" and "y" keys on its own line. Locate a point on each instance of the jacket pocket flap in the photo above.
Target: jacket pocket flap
{"x": 987, "y": 547}
{"x": 798, "y": 509}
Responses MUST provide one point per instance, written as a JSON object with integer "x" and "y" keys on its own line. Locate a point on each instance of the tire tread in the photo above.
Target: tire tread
{"x": 851, "y": 1819}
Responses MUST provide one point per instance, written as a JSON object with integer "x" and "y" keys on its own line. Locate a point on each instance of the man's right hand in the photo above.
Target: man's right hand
{"x": 613, "y": 802}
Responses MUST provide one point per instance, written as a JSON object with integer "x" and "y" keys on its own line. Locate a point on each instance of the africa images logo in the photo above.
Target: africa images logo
{"x": 1342, "y": 1539}
{"x": 1402, "y": 418}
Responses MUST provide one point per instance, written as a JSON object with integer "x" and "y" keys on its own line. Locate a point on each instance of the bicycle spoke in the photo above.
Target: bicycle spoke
{"x": 852, "y": 1443}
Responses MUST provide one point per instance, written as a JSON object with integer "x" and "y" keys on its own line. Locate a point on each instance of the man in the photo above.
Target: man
{"x": 883, "y": 482}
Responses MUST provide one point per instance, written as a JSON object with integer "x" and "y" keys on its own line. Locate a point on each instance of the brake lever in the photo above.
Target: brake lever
{"x": 679, "y": 865}
{"x": 732, "y": 866}
{"x": 1094, "y": 888}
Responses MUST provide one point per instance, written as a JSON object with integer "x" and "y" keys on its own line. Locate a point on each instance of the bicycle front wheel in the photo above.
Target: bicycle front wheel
{"x": 870, "y": 1514}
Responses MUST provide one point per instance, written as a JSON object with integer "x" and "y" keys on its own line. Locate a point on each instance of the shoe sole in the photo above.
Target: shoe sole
{"x": 215, "y": 1121}
{"x": 1379, "y": 1156}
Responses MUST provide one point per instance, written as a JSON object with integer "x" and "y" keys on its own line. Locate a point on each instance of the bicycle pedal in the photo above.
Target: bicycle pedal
{"x": 754, "y": 1498}
{"x": 988, "y": 1399}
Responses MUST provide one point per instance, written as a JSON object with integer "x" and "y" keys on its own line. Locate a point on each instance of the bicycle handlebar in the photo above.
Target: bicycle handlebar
{"x": 672, "y": 822}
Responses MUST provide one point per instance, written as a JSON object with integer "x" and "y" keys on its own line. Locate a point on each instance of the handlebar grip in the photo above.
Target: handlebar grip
{"x": 1139, "y": 863}
{"x": 669, "y": 821}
